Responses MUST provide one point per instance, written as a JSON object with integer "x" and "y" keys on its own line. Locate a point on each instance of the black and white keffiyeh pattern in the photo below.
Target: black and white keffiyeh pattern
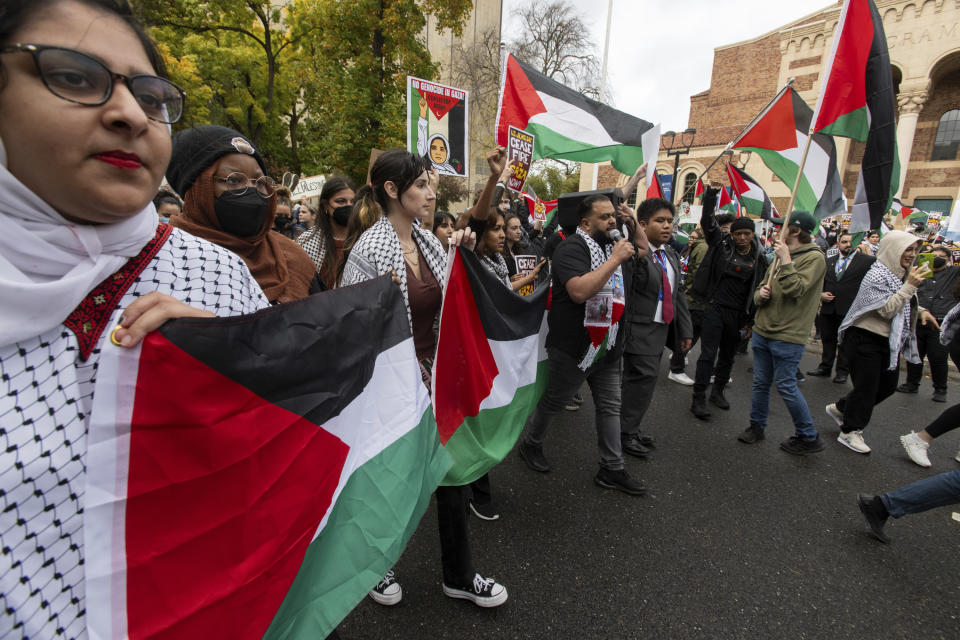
{"x": 949, "y": 326}
{"x": 497, "y": 265}
{"x": 314, "y": 244}
{"x": 877, "y": 286}
{"x": 46, "y": 395}
{"x": 599, "y": 255}
{"x": 378, "y": 250}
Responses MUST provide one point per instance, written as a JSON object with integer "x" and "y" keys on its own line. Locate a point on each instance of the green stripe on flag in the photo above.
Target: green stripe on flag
{"x": 550, "y": 144}
{"x": 359, "y": 544}
{"x": 493, "y": 432}
{"x": 854, "y": 125}
{"x": 786, "y": 170}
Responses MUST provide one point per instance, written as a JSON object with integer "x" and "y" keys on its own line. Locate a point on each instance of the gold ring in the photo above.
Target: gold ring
{"x": 113, "y": 335}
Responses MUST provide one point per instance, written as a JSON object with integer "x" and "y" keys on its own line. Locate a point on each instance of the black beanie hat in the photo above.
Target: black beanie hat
{"x": 196, "y": 149}
{"x": 742, "y": 223}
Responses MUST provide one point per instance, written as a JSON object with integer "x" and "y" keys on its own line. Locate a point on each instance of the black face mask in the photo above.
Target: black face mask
{"x": 939, "y": 262}
{"x": 341, "y": 215}
{"x": 241, "y": 214}
{"x": 281, "y": 222}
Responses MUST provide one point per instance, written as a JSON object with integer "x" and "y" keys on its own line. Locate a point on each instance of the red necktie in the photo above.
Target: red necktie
{"x": 667, "y": 293}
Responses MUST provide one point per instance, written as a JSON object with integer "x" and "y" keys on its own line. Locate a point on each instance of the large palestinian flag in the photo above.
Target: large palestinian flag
{"x": 255, "y": 476}
{"x": 778, "y": 136}
{"x": 857, "y": 101}
{"x": 490, "y": 367}
{"x": 567, "y": 124}
{"x": 751, "y": 196}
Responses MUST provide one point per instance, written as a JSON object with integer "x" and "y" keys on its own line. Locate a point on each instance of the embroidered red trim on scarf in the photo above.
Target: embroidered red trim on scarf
{"x": 91, "y": 316}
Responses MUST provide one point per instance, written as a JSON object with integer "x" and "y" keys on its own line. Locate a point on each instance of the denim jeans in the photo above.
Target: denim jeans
{"x": 923, "y": 495}
{"x": 565, "y": 379}
{"x": 776, "y": 361}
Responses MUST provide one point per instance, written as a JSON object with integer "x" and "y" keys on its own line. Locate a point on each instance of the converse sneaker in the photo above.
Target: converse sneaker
{"x": 484, "y": 511}
{"x": 916, "y": 448}
{"x": 835, "y": 413}
{"x": 484, "y": 592}
{"x": 388, "y": 591}
{"x": 853, "y": 441}
{"x": 680, "y": 378}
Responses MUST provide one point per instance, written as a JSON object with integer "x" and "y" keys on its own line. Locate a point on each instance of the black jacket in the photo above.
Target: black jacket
{"x": 719, "y": 254}
{"x": 845, "y": 289}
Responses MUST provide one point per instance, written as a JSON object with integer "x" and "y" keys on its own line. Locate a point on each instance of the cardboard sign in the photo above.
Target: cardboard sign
{"x": 309, "y": 187}
{"x": 845, "y": 220}
{"x": 437, "y": 125}
{"x": 525, "y": 265}
{"x": 519, "y": 157}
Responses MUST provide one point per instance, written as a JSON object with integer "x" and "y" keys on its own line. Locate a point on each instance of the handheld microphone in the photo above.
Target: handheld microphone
{"x": 615, "y": 235}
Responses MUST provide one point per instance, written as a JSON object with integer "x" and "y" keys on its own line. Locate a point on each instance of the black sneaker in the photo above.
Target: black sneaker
{"x": 906, "y": 387}
{"x": 631, "y": 443}
{"x": 800, "y": 377}
{"x": 717, "y": 398}
{"x": 800, "y": 447}
{"x": 840, "y": 378}
{"x": 753, "y": 433}
{"x": 388, "y": 591}
{"x": 484, "y": 592}
{"x": 646, "y": 441}
{"x": 575, "y": 402}
{"x": 619, "y": 480}
{"x": 819, "y": 372}
{"x": 699, "y": 407}
{"x": 484, "y": 511}
{"x": 876, "y": 514}
{"x": 940, "y": 395}
{"x": 533, "y": 456}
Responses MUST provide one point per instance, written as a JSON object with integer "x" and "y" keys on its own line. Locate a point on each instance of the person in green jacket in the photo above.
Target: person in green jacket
{"x": 786, "y": 308}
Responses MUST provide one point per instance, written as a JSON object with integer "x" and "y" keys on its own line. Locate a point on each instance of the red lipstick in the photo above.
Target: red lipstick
{"x": 120, "y": 159}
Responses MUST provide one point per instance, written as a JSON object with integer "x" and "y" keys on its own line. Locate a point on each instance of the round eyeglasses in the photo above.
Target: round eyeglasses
{"x": 77, "y": 77}
{"x": 239, "y": 182}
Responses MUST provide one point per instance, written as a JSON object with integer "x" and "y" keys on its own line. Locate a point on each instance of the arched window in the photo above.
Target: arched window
{"x": 689, "y": 187}
{"x": 948, "y": 136}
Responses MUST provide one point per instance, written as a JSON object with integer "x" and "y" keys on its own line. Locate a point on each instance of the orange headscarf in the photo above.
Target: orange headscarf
{"x": 282, "y": 269}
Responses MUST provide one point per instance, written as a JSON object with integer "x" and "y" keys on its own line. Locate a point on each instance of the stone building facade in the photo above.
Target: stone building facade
{"x": 923, "y": 37}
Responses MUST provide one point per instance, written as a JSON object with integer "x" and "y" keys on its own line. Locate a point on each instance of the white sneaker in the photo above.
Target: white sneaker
{"x": 957, "y": 457}
{"x": 853, "y": 441}
{"x": 916, "y": 448}
{"x": 680, "y": 378}
{"x": 388, "y": 591}
{"x": 835, "y": 413}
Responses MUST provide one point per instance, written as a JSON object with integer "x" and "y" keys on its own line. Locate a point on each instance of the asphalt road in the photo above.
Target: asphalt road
{"x": 731, "y": 541}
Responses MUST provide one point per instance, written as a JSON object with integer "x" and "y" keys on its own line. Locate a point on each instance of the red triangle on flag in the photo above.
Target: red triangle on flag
{"x": 740, "y": 186}
{"x": 699, "y": 190}
{"x": 654, "y": 190}
{"x": 519, "y": 101}
{"x": 777, "y": 128}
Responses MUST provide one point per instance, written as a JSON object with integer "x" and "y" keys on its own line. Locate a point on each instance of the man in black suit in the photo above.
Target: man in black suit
{"x": 655, "y": 302}
{"x": 845, "y": 271}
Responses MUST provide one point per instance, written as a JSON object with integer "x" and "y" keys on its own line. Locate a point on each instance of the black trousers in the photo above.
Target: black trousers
{"x": 480, "y": 490}
{"x": 869, "y": 356}
{"x": 455, "y": 553}
{"x": 929, "y": 347}
{"x": 640, "y": 373}
{"x": 719, "y": 338}
{"x": 676, "y": 354}
{"x": 829, "y": 326}
{"x": 946, "y": 421}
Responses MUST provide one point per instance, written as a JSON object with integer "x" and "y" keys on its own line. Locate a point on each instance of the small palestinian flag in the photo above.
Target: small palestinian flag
{"x": 902, "y": 209}
{"x": 255, "y": 476}
{"x": 539, "y": 209}
{"x": 778, "y": 136}
{"x": 699, "y": 189}
{"x": 748, "y": 192}
{"x": 566, "y": 124}
{"x": 725, "y": 204}
{"x": 490, "y": 367}
{"x": 857, "y": 100}
{"x": 654, "y": 190}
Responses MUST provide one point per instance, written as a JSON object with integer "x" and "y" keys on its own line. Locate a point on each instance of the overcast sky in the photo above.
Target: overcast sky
{"x": 676, "y": 38}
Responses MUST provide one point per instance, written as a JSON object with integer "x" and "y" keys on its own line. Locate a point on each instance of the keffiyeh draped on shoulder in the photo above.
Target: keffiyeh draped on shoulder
{"x": 378, "y": 250}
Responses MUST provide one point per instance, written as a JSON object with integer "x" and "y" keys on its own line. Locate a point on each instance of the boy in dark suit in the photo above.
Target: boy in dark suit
{"x": 655, "y": 300}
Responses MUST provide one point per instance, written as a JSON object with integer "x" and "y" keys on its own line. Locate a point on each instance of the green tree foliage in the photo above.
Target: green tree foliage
{"x": 550, "y": 178}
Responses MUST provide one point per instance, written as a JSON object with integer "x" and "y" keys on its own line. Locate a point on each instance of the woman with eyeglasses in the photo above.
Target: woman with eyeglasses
{"x": 85, "y": 109}
{"x": 229, "y": 200}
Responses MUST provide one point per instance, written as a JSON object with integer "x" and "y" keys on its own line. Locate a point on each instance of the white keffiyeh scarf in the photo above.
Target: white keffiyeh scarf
{"x": 949, "y": 326}
{"x": 602, "y": 337}
{"x": 314, "y": 244}
{"x": 498, "y": 267}
{"x": 878, "y": 285}
{"x": 378, "y": 250}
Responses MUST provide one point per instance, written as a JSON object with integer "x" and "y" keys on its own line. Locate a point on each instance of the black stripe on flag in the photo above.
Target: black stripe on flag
{"x": 622, "y": 127}
{"x": 311, "y": 357}
{"x": 504, "y": 315}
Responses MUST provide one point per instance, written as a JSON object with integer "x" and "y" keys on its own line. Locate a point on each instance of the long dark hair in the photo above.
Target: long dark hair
{"x": 491, "y": 223}
{"x": 398, "y": 166}
{"x": 15, "y": 13}
{"x": 520, "y": 244}
{"x": 330, "y": 266}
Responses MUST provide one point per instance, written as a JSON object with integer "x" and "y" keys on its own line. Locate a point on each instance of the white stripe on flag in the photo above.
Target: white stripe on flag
{"x": 817, "y": 168}
{"x": 572, "y": 122}
{"x": 523, "y": 354}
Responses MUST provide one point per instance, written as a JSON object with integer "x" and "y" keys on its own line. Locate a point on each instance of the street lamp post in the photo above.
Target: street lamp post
{"x": 676, "y": 150}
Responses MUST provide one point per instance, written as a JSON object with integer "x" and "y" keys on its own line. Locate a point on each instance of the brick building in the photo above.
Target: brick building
{"x": 923, "y": 37}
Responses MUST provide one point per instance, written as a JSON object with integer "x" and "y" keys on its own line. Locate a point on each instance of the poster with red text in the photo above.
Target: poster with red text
{"x": 438, "y": 126}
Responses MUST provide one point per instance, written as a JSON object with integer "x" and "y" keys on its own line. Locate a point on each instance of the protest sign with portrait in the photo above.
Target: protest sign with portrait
{"x": 437, "y": 125}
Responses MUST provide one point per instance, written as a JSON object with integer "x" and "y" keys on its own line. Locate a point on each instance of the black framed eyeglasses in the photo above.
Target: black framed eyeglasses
{"x": 77, "y": 77}
{"x": 239, "y": 182}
